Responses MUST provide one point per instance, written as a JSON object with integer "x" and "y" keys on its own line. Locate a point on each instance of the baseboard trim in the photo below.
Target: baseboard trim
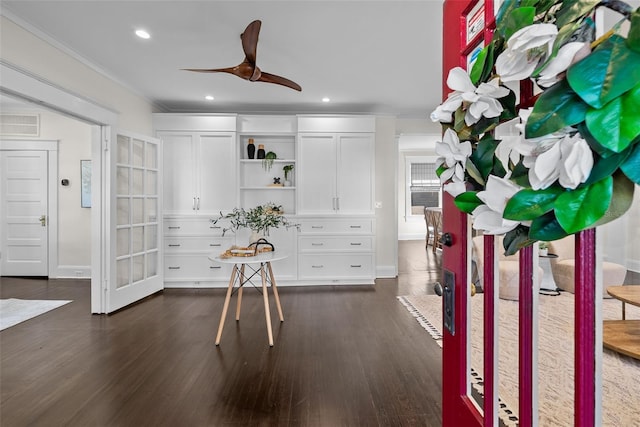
{"x": 72, "y": 272}
{"x": 386, "y": 271}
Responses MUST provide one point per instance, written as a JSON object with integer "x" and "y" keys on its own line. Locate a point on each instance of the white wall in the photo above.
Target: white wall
{"x": 23, "y": 49}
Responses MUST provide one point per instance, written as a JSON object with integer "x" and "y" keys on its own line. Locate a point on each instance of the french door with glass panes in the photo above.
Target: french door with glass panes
{"x": 134, "y": 226}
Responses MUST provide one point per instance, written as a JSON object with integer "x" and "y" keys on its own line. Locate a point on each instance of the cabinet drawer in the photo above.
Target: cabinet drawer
{"x": 320, "y": 243}
{"x": 192, "y": 226}
{"x": 342, "y": 225}
{"x": 335, "y": 266}
{"x": 194, "y": 267}
{"x": 197, "y": 244}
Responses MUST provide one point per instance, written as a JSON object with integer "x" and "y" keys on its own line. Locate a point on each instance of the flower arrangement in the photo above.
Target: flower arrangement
{"x": 573, "y": 159}
{"x": 259, "y": 219}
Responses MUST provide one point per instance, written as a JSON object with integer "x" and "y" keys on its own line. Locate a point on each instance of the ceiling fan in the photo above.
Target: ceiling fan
{"x": 248, "y": 69}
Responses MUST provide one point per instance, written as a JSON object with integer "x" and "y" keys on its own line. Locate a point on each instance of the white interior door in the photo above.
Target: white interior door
{"x": 135, "y": 228}
{"x": 24, "y": 213}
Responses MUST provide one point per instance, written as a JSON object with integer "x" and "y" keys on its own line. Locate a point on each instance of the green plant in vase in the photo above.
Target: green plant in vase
{"x": 259, "y": 220}
{"x": 287, "y": 169}
{"x": 269, "y": 158}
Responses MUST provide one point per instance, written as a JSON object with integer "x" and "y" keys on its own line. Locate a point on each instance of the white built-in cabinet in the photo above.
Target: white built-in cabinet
{"x": 330, "y": 196}
{"x": 337, "y": 173}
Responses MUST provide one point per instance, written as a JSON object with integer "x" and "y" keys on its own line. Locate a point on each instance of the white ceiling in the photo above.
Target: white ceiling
{"x": 379, "y": 57}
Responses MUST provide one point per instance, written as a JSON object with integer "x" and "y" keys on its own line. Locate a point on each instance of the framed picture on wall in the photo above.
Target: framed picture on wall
{"x": 85, "y": 183}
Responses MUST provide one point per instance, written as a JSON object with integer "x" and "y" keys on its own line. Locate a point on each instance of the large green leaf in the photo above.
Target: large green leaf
{"x": 483, "y": 156}
{"x": 633, "y": 38}
{"x": 474, "y": 173}
{"x": 528, "y": 204}
{"x": 616, "y": 124}
{"x": 467, "y": 201}
{"x": 608, "y": 72}
{"x": 574, "y": 10}
{"x": 557, "y": 107}
{"x": 517, "y": 19}
{"x": 516, "y": 239}
{"x": 631, "y": 166}
{"x": 621, "y": 201}
{"x": 546, "y": 228}
{"x": 520, "y": 174}
{"x": 509, "y": 104}
{"x": 478, "y": 65}
{"x": 593, "y": 142}
{"x": 606, "y": 166}
{"x": 581, "y": 208}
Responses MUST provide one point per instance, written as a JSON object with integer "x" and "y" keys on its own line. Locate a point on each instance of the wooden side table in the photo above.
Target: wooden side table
{"x": 623, "y": 335}
{"x": 258, "y": 265}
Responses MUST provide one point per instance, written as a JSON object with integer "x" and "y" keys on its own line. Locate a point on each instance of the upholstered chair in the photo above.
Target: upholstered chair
{"x": 508, "y": 269}
{"x": 563, "y": 267}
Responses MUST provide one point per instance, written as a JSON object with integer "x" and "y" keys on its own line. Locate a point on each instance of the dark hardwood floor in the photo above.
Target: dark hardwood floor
{"x": 345, "y": 356}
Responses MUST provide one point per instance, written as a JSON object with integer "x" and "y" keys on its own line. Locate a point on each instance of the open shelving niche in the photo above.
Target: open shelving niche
{"x": 255, "y": 182}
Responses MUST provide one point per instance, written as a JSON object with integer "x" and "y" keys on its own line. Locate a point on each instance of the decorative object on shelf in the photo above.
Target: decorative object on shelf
{"x": 276, "y": 180}
{"x": 261, "y": 152}
{"x": 248, "y": 70}
{"x": 287, "y": 169}
{"x": 259, "y": 220}
{"x": 576, "y": 161}
{"x": 267, "y": 162}
{"x": 251, "y": 149}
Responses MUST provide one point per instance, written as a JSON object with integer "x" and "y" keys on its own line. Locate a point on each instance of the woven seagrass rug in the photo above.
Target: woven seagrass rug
{"x": 620, "y": 374}
{"x": 14, "y": 311}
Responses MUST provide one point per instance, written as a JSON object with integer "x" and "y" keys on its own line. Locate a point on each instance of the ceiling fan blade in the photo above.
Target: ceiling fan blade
{"x": 243, "y": 70}
{"x": 272, "y": 78}
{"x": 250, "y": 40}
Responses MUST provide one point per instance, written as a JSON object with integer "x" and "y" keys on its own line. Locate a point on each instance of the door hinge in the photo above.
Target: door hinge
{"x": 106, "y": 138}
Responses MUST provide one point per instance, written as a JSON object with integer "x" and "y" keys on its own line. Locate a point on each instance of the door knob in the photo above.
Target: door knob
{"x": 43, "y": 220}
{"x": 446, "y": 239}
{"x": 437, "y": 288}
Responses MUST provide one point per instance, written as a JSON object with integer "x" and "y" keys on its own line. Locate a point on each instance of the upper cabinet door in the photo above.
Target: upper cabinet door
{"x": 217, "y": 173}
{"x": 317, "y": 173}
{"x": 179, "y": 161}
{"x": 355, "y": 174}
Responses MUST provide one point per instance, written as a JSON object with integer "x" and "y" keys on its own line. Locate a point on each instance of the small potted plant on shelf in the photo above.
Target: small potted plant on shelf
{"x": 268, "y": 160}
{"x": 287, "y": 169}
{"x": 259, "y": 220}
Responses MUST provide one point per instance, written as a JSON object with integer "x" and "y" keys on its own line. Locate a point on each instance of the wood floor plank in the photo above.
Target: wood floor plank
{"x": 345, "y": 356}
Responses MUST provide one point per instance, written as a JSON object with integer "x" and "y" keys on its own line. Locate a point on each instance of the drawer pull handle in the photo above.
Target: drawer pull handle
{"x": 215, "y": 244}
{"x": 356, "y": 244}
{"x": 174, "y": 245}
{"x": 356, "y": 226}
{"x": 215, "y": 227}
{"x": 356, "y": 266}
{"x": 216, "y": 267}
{"x": 317, "y": 266}
{"x": 174, "y": 227}
{"x": 174, "y": 268}
{"x": 317, "y": 244}
{"x": 317, "y": 226}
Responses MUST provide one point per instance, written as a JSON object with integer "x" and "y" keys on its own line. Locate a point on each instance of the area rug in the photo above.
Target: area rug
{"x": 620, "y": 374}
{"x": 14, "y": 311}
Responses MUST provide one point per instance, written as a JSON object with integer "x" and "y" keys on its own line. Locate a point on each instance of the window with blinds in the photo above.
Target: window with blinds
{"x": 424, "y": 187}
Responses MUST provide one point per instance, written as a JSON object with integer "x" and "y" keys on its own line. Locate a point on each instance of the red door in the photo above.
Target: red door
{"x": 467, "y": 26}
{"x": 458, "y": 406}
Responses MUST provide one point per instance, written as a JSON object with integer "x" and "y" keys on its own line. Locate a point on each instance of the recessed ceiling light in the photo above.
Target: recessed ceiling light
{"x": 325, "y": 99}
{"x": 143, "y": 34}
{"x": 209, "y": 98}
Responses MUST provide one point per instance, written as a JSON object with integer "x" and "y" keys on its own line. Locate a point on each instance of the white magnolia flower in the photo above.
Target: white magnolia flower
{"x": 567, "y": 55}
{"x": 577, "y": 161}
{"x": 480, "y": 101}
{"x": 453, "y": 155}
{"x": 488, "y": 217}
{"x": 568, "y": 160}
{"x": 455, "y": 188}
{"x": 525, "y": 48}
